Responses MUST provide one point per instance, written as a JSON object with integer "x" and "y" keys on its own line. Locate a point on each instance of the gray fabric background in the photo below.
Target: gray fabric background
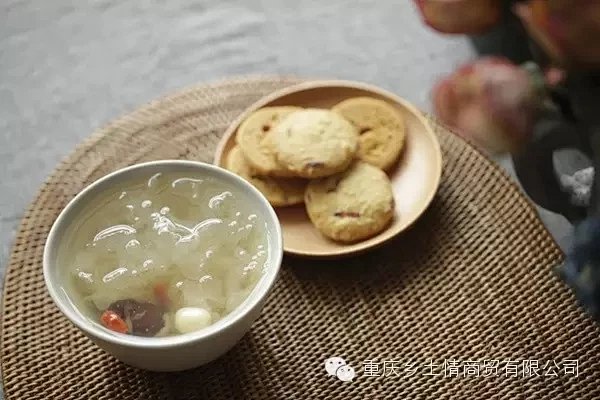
{"x": 68, "y": 67}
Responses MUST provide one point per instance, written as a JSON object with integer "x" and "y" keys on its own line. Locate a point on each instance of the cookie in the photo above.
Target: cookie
{"x": 314, "y": 143}
{"x": 353, "y": 205}
{"x": 278, "y": 191}
{"x": 381, "y": 129}
{"x": 253, "y": 137}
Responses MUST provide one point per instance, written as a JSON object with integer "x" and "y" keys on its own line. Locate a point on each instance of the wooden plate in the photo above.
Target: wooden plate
{"x": 415, "y": 178}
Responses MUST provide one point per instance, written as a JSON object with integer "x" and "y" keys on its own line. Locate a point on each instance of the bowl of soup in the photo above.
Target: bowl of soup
{"x": 165, "y": 264}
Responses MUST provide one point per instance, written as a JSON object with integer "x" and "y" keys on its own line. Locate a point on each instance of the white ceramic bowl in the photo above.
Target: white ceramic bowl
{"x": 171, "y": 353}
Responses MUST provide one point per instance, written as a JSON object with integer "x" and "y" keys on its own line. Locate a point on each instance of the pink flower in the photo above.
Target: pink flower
{"x": 491, "y": 102}
{"x": 568, "y": 30}
{"x": 460, "y": 16}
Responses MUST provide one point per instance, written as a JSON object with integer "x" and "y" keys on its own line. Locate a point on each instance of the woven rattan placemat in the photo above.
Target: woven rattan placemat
{"x": 470, "y": 283}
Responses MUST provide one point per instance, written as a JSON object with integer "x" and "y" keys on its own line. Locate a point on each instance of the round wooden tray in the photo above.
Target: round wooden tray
{"x": 415, "y": 178}
{"x": 470, "y": 281}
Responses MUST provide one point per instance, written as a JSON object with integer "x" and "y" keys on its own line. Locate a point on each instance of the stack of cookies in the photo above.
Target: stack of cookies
{"x": 331, "y": 160}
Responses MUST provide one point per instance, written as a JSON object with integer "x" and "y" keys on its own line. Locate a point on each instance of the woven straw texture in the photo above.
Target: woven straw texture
{"x": 472, "y": 280}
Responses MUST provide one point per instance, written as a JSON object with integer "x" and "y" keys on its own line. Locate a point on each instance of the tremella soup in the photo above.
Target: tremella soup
{"x": 168, "y": 254}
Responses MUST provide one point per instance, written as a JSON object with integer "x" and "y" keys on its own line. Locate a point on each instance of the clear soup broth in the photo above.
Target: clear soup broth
{"x": 168, "y": 254}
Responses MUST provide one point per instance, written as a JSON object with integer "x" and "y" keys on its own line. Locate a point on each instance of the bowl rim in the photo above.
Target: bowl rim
{"x": 258, "y": 294}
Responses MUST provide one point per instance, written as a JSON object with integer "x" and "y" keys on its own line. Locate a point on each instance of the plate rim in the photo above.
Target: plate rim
{"x": 319, "y": 84}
